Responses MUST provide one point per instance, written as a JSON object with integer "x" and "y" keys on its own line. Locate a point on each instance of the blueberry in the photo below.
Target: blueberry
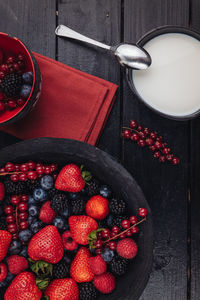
{"x": 15, "y": 247}
{"x": 36, "y": 226}
{"x": 73, "y": 196}
{"x": 24, "y": 252}
{"x": 109, "y": 220}
{"x": 59, "y": 222}
{"x": 25, "y": 90}
{"x": 39, "y": 194}
{"x": 67, "y": 259}
{"x": 46, "y": 182}
{"x": 31, "y": 200}
{"x": 107, "y": 255}
{"x": 30, "y": 220}
{"x": 66, "y": 213}
{"x": 105, "y": 191}
{"x": 33, "y": 211}
{"x": 9, "y": 277}
{"x": 65, "y": 227}
{"x": 28, "y": 77}
{"x": 25, "y": 235}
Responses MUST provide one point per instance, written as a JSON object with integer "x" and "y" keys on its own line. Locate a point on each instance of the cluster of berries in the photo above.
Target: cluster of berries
{"x": 65, "y": 236}
{"x": 144, "y": 137}
{"x": 15, "y": 82}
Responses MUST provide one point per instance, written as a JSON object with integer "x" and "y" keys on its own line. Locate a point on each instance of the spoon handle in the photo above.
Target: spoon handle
{"x": 65, "y": 31}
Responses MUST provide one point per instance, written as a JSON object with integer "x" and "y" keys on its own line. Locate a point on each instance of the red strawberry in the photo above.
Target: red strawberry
{"x": 68, "y": 242}
{"x": 104, "y": 283}
{"x": 47, "y": 214}
{"x": 97, "y": 207}
{"x": 46, "y": 245}
{"x": 97, "y": 265}
{"x": 17, "y": 264}
{"x": 5, "y": 239}
{"x": 80, "y": 269}
{"x": 23, "y": 287}
{"x": 3, "y": 272}
{"x": 69, "y": 179}
{"x": 2, "y": 191}
{"x": 127, "y": 248}
{"x": 80, "y": 227}
{"x": 62, "y": 289}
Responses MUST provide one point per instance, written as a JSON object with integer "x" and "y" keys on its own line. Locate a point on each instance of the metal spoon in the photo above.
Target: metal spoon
{"x": 128, "y": 55}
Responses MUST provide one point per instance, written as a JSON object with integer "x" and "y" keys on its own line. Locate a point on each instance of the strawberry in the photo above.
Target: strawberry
{"x": 23, "y": 287}
{"x": 5, "y": 239}
{"x": 97, "y": 207}
{"x": 68, "y": 242}
{"x": 105, "y": 283}
{"x": 127, "y": 248}
{"x": 80, "y": 269}
{"x": 97, "y": 265}
{"x": 80, "y": 227}
{"x": 47, "y": 214}
{"x": 17, "y": 264}
{"x": 3, "y": 272}
{"x": 69, "y": 179}
{"x": 62, "y": 289}
{"x": 46, "y": 245}
{"x": 2, "y": 191}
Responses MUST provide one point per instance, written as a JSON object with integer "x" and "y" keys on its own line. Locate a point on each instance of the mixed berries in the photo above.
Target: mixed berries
{"x": 15, "y": 82}
{"x": 63, "y": 233}
{"x": 146, "y": 138}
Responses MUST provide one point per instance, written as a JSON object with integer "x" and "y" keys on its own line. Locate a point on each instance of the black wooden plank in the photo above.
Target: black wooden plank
{"x": 32, "y": 21}
{"x": 99, "y": 20}
{"x": 195, "y": 179}
{"x": 165, "y": 186}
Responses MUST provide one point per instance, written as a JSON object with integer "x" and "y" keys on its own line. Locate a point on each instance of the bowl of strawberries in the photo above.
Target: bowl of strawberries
{"x": 20, "y": 79}
{"x": 74, "y": 224}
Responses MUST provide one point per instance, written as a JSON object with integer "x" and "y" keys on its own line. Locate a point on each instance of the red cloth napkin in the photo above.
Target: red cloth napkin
{"x": 72, "y": 105}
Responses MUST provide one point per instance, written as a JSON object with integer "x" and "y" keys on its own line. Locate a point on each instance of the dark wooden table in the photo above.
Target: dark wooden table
{"x": 172, "y": 192}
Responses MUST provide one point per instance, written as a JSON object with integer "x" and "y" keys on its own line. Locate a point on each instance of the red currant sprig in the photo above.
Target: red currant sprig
{"x": 145, "y": 137}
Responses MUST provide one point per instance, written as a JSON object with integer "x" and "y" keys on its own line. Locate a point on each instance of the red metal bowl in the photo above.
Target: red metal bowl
{"x": 12, "y": 45}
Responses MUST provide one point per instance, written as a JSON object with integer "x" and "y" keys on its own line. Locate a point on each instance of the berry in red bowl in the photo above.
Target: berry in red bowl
{"x": 20, "y": 79}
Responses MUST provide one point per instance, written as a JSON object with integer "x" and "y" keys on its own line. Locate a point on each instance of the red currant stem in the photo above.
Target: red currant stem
{"x": 131, "y": 129}
{"x": 116, "y": 236}
{"x": 10, "y": 173}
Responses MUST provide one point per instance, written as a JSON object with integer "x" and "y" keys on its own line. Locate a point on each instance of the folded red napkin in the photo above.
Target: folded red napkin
{"x": 72, "y": 105}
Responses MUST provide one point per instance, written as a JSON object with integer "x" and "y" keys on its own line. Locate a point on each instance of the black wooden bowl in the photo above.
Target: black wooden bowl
{"x": 104, "y": 167}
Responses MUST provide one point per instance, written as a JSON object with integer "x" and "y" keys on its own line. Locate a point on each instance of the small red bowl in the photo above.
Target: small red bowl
{"x": 13, "y": 46}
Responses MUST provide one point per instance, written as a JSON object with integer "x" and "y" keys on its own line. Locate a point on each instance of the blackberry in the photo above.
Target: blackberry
{"x": 61, "y": 270}
{"x": 11, "y": 84}
{"x": 3, "y": 224}
{"x": 116, "y": 221}
{"x": 33, "y": 184}
{"x": 52, "y": 192}
{"x": 87, "y": 291}
{"x": 77, "y": 206}
{"x": 93, "y": 187}
{"x": 16, "y": 188}
{"x": 118, "y": 265}
{"x": 117, "y": 207}
{"x": 59, "y": 203}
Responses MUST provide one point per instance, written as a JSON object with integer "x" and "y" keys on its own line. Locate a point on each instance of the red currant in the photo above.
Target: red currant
{"x": 2, "y": 106}
{"x": 15, "y": 199}
{"x": 98, "y": 244}
{"x": 98, "y": 251}
{"x": 20, "y": 102}
{"x": 16, "y": 67}
{"x": 22, "y": 177}
{"x": 140, "y": 128}
{"x": 112, "y": 235}
{"x": 23, "y": 206}
{"x": 17, "y": 167}
{"x": 14, "y": 177}
{"x": 106, "y": 233}
{"x": 133, "y": 219}
{"x": 12, "y": 104}
{"x": 162, "y": 159}
{"x": 143, "y": 212}
{"x": 24, "y": 198}
{"x": 4, "y": 68}
{"x": 15, "y": 236}
{"x": 122, "y": 236}
{"x": 31, "y": 165}
{"x": 157, "y": 145}
{"x": 2, "y": 74}
{"x": 23, "y": 225}
{"x": 47, "y": 170}
{"x": 10, "y": 219}
{"x": 32, "y": 175}
{"x": 153, "y": 135}
{"x": 2, "y": 170}
{"x": 135, "y": 137}
{"x": 133, "y": 124}
{"x": 10, "y": 59}
{"x": 175, "y": 161}
{"x": 8, "y": 210}
{"x": 21, "y": 57}
{"x": 112, "y": 245}
{"x": 54, "y": 167}
{"x": 157, "y": 154}
{"x": 141, "y": 143}
{"x": 115, "y": 229}
{"x": 129, "y": 233}
{"x": 134, "y": 229}
{"x": 166, "y": 150}
{"x": 149, "y": 141}
{"x": 23, "y": 216}
{"x": 125, "y": 224}
{"x": 146, "y": 131}
{"x": 24, "y": 167}
{"x": 40, "y": 170}
{"x": 152, "y": 148}
{"x": 127, "y": 134}
{"x": 12, "y": 228}
{"x": 10, "y": 167}
{"x": 169, "y": 157}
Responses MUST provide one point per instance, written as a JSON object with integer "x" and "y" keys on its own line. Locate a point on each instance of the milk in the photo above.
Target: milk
{"x": 171, "y": 84}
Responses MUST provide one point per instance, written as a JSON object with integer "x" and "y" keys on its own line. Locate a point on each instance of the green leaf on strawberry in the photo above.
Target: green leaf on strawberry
{"x": 41, "y": 268}
{"x": 92, "y": 237}
{"x": 42, "y": 283}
